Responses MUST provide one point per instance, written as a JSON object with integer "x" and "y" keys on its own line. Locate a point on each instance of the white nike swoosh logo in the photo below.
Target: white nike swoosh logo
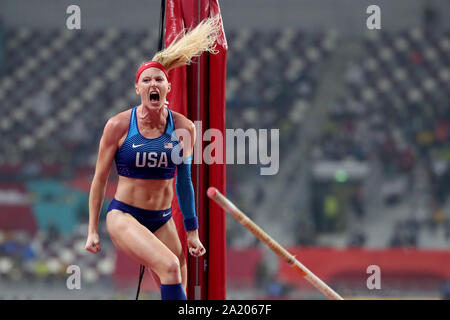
{"x": 166, "y": 214}
{"x": 138, "y": 145}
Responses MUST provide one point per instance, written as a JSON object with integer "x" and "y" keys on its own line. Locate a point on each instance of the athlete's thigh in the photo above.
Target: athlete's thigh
{"x": 136, "y": 240}
{"x": 168, "y": 235}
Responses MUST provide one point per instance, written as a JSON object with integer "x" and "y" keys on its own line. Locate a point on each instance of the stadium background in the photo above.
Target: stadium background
{"x": 364, "y": 119}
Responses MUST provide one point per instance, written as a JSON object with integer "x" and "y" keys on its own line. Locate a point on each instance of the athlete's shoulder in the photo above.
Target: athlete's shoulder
{"x": 182, "y": 122}
{"x": 118, "y": 124}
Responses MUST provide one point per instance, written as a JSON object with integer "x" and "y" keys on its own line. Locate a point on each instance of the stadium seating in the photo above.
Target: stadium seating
{"x": 58, "y": 89}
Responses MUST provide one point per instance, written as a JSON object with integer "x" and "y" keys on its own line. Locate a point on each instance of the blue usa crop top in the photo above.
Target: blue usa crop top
{"x": 144, "y": 158}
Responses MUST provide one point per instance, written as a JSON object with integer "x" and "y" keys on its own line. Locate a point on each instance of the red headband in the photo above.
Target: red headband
{"x": 151, "y": 64}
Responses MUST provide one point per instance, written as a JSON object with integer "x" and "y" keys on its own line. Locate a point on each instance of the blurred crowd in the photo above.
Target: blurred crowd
{"x": 394, "y": 111}
{"x": 46, "y": 256}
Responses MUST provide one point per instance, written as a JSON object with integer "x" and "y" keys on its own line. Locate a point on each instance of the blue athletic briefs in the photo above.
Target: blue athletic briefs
{"x": 152, "y": 219}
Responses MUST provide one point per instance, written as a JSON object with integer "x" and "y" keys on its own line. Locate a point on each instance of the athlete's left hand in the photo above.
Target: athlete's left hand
{"x": 195, "y": 247}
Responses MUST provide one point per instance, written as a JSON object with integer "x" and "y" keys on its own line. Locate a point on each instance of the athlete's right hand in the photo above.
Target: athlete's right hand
{"x": 93, "y": 243}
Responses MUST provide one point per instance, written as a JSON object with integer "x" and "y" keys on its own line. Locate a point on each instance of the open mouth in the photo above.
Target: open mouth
{"x": 154, "y": 96}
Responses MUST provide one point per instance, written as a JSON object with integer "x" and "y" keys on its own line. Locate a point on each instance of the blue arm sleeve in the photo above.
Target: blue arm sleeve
{"x": 185, "y": 194}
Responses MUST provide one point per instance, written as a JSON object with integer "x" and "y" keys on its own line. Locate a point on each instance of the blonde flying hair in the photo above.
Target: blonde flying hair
{"x": 187, "y": 46}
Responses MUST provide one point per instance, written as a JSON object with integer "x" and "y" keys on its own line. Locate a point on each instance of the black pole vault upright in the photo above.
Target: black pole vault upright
{"x": 161, "y": 25}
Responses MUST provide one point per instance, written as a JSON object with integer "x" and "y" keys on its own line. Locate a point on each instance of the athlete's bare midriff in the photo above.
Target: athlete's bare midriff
{"x": 148, "y": 194}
